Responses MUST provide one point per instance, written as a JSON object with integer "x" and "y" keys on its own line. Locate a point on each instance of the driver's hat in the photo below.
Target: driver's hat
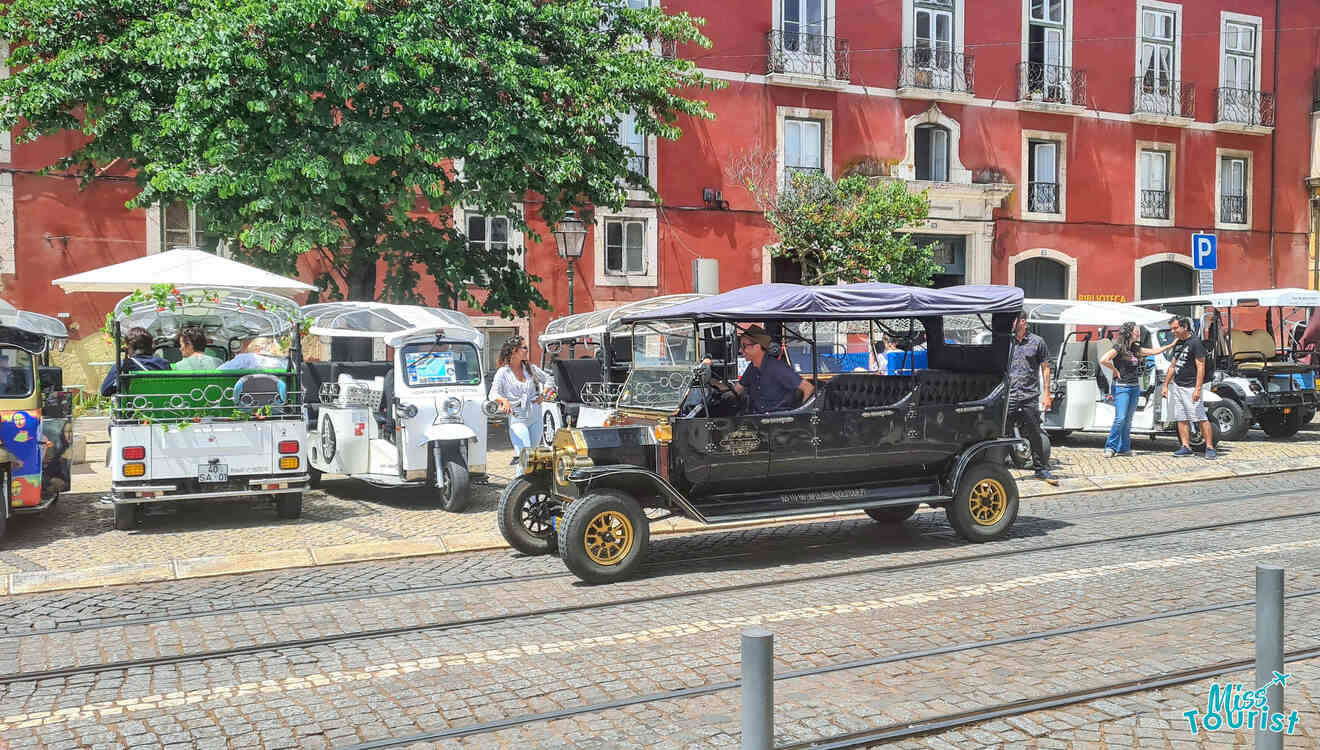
{"x": 756, "y": 334}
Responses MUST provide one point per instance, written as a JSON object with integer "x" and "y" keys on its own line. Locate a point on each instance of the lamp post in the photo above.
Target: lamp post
{"x": 570, "y": 234}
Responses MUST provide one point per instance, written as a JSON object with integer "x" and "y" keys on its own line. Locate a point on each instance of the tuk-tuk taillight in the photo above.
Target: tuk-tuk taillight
{"x": 134, "y": 453}
{"x": 288, "y": 446}
{"x": 135, "y": 470}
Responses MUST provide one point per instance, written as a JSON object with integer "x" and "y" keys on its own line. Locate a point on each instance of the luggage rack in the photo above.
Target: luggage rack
{"x": 350, "y": 394}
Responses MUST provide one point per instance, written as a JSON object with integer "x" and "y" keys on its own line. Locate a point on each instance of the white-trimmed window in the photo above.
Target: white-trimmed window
{"x": 1045, "y": 34}
{"x": 635, "y": 142}
{"x": 487, "y": 233}
{"x": 626, "y": 247}
{"x": 1159, "y": 58}
{"x": 1238, "y": 98}
{"x": 1044, "y": 157}
{"x": 932, "y": 156}
{"x": 1155, "y": 171}
{"x": 1233, "y": 189}
{"x": 183, "y": 226}
{"x": 804, "y": 142}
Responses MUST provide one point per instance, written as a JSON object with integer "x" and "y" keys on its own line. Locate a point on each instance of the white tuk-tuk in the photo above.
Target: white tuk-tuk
{"x": 1081, "y": 385}
{"x": 202, "y": 434}
{"x": 416, "y": 418}
{"x": 590, "y": 360}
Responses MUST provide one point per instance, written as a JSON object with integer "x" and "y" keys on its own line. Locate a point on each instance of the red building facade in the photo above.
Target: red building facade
{"x": 1068, "y": 146}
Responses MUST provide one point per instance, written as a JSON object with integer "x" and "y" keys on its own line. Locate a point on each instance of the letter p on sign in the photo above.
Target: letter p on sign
{"x": 1205, "y": 252}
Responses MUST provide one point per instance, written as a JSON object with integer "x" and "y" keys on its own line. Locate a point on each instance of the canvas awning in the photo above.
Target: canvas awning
{"x": 183, "y": 267}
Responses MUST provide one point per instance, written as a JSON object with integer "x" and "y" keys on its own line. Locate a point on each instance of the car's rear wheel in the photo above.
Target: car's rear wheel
{"x": 985, "y": 504}
{"x": 1308, "y": 414}
{"x": 526, "y": 516}
{"x": 1276, "y": 424}
{"x": 1231, "y": 418}
{"x": 1197, "y": 439}
{"x": 289, "y": 505}
{"x": 604, "y": 536}
{"x": 1021, "y": 452}
{"x": 892, "y": 514}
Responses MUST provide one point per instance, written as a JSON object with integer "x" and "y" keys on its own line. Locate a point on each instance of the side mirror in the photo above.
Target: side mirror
{"x": 404, "y": 410}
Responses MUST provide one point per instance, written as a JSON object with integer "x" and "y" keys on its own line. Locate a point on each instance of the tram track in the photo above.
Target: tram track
{"x": 369, "y": 594}
{"x": 923, "y": 727}
{"x": 475, "y": 622}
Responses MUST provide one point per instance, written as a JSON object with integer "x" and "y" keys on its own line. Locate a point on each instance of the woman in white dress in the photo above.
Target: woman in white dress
{"x": 517, "y": 388}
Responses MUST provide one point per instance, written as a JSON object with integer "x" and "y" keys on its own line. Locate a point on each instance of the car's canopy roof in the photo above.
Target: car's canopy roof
{"x": 394, "y": 323}
{"x": 30, "y": 322}
{"x": 1072, "y": 312}
{"x": 866, "y": 301}
{"x": 596, "y": 323}
{"x": 180, "y": 267}
{"x": 240, "y": 313}
{"x": 1288, "y": 297}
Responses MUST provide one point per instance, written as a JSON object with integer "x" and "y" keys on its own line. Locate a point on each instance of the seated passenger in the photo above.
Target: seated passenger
{"x": 192, "y": 345}
{"x": 260, "y": 353}
{"x": 770, "y": 384}
{"x": 138, "y": 346}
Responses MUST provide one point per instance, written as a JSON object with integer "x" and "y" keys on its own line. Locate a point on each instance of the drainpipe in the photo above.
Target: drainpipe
{"x": 1274, "y": 143}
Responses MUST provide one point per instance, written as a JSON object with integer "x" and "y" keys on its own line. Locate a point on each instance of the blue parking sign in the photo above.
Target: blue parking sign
{"x": 1205, "y": 252}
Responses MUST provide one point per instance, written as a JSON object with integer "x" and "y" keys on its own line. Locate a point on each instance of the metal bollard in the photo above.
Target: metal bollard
{"x": 758, "y": 689}
{"x": 1269, "y": 644}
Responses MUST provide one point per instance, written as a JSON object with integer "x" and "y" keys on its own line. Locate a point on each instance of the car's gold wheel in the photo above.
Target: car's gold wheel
{"x": 609, "y": 537}
{"x": 988, "y": 501}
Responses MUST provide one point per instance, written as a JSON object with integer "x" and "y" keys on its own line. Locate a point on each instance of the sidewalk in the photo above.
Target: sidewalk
{"x": 74, "y": 544}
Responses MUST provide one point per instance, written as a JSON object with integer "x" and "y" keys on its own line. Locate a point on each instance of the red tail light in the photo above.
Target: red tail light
{"x": 288, "y": 446}
{"x": 135, "y": 453}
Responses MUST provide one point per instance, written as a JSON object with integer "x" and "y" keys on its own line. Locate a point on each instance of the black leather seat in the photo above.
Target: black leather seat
{"x": 572, "y": 374}
{"x": 946, "y": 387}
{"x": 865, "y": 391}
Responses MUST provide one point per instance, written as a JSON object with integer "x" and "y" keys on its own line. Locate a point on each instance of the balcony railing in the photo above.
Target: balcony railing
{"x": 1151, "y": 96}
{"x": 936, "y": 70}
{"x": 1154, "y": 204}
{"x": 1233, "y": 209}
{"x": 809, "y": 55}
{"x": 1245, "y": 107}
{"x": 1043, "y": 197}
{"x": 637, "y": 163}
{"x": 1055, "y": 84}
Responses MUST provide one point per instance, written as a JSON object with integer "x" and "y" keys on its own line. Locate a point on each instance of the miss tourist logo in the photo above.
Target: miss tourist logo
{"x": 1233, "y": 706}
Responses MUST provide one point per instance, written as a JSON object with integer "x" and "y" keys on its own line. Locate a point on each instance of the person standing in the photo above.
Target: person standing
{"x": 1125, "y": 361}
{"x": 1028, "y": 375}
{"x": 517, "y": 388}
{"x": 1182, "y": 387}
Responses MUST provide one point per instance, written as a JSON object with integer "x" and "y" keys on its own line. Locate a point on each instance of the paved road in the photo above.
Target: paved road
{"x": 461, "y": 643}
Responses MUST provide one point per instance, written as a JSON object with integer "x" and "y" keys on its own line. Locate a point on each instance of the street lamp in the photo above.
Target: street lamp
{"x": 570, "y": 234}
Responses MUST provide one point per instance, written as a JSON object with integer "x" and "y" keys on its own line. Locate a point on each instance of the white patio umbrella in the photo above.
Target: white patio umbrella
{"x": 182, "y": 267}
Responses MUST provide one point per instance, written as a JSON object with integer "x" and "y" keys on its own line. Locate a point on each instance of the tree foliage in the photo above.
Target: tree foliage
{"x": 331, "y": 126}
{"x": 852, "y": 230}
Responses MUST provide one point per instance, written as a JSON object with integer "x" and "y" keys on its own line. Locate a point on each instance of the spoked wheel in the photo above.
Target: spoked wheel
{"x": 892, "y": 514}
{"x": 527, "y": 515}
{"x": 985, "y": 504}
{"x": 604, "y": 536}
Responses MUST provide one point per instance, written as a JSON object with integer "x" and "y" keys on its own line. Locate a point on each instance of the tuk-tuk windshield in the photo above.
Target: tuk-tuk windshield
{"x": 665, "y": 345}
{"x": 15, "y": 373}
{"x": 440, "y": 363}
{"x": 664, "y": 355}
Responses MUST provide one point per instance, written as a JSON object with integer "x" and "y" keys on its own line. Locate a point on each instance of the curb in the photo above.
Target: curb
{"x": 34, "y": 582}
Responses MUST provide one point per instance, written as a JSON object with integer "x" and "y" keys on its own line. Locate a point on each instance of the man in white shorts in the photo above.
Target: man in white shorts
{"x": 1182, "y": 387}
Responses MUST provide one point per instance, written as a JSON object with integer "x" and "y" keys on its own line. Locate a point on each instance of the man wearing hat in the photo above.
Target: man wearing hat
{"x": 769, "y": 383}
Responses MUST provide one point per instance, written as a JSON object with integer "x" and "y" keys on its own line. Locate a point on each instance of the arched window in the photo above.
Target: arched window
{"x": 1168, "y": 279}
{"x": 1043, "y": 278}
{"x": 932, "y": 157}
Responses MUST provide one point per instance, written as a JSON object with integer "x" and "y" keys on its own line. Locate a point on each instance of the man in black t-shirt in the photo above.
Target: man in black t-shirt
{"x": 1182, "y": 387}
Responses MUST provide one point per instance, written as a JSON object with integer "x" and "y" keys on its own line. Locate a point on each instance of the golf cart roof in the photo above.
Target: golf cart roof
{"x": 180, "y": 267}
{"x": 30, "y": 322}
{"x": 378, "y": 320}
{"x": 1289, "y": 297}
{"x": 597, "y": 322}
{"x": 1109, "y": 314}
{"x": 867, "y": 301}
{"x": 241, "y": 313}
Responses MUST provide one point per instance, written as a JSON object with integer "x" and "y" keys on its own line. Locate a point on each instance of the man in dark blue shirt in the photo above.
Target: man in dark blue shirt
{"x": 770, "y": 384}
{"x": 138, "y": 346}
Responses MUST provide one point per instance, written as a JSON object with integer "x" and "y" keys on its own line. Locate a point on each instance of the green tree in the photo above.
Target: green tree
{"x": 331, "y": 126}
{"x": 855, "y": 229}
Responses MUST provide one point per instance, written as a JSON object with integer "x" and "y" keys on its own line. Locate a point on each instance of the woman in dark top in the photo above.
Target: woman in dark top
{"x": 1126, "y": 360}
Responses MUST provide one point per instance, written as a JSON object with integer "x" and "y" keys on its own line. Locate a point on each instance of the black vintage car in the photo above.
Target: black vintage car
{"x": 679, "y": 443}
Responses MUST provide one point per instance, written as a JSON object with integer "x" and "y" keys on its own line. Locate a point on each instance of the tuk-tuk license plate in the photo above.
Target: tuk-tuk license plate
{"x": 213, "y": 473}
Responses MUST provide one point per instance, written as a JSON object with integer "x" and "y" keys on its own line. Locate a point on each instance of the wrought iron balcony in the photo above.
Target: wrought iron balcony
{"x": 1154, "y": 204}
{"x": 637, "y": 163}
{"x": 1043, "y": 197}
{"x": 809, "y": 55}
{"x": 1233, "y": 209}
{"x": 1245, "y": 107}
{"x": 1152, "y": 96}
{"x": 1054, "y": 84}
{"x": 936, "y": 70}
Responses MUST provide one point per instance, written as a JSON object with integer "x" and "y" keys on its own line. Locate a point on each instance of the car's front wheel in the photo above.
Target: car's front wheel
{"x": 604, "y": 536}
{"x": 985, "y": 504}
{"x": 1021, "y": 452}
{"x": 526, "y": 516}
{"x": 892, "y": 514}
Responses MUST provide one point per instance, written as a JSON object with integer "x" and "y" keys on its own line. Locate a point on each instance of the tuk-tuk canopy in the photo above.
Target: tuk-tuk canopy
{"x": 377, "y": 320}
{"x": 594, "y": 324}
{"x": 238, "y": 313}
{"x": 1100, "y": 314}
{"x": 1288, "y": 297}
{"x": 182, "y": 267}
{"x": 30, "y": 322}
{"x": 866, "y": 301}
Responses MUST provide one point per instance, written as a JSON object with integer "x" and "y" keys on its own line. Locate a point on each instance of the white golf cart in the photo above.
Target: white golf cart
{"x": 1081, "y": 385}
{"x": 589, "y": 360}
{"x": 417, "y": 418}
{"x": 203, "y": 434}
{"x": 1257, "y": 369}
